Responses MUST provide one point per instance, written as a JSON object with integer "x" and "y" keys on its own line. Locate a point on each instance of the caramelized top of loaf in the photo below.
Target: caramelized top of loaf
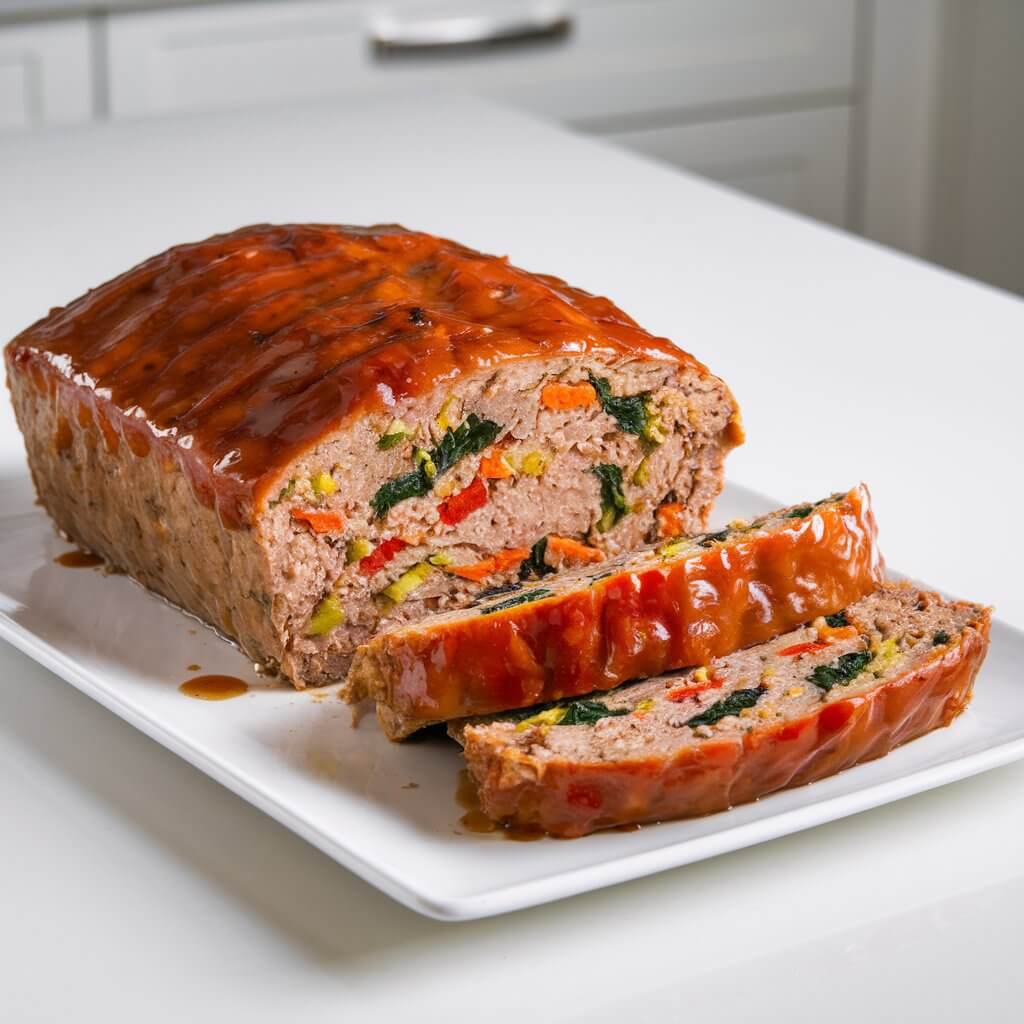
{"x": 239, "y": 353}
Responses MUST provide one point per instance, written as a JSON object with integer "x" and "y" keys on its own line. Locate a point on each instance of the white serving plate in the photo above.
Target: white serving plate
{"x": 387, "y": 811}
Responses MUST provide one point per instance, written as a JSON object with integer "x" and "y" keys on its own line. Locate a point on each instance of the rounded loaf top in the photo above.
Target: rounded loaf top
{"x": 243, "y": 350}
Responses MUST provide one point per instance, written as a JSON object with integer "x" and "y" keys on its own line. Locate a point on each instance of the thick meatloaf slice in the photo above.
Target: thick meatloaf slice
{"x": 842, "y": 690}
{"x": 302, "y": 433}
{"x": 640, "y": 614}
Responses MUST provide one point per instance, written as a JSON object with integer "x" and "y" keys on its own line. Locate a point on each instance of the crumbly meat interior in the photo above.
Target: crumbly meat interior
{"x": 872, "y": 641}
{"x": 340, "y": 570}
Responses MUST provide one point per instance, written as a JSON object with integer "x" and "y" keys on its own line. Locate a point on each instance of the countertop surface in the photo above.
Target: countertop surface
{"x": 134, "y": 885}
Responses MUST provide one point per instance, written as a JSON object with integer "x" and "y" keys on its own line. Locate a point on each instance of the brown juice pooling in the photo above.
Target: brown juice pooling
{"x": 214, "y": 687}
{"x": 78, "y": 559}
{"x": 474, "y": 820}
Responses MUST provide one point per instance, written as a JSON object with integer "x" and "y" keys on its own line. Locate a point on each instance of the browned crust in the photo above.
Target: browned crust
{"x": 568, "y": 799}
{"x": 140, "y": 515}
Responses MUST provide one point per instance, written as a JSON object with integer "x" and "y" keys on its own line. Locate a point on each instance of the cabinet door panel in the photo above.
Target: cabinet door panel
{"x": 618, "y": 57}
{"x": 45, "y": 74}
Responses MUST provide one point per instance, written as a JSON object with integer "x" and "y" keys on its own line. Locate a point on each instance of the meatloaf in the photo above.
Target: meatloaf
{"x": 301, "y": 433}
{"x": 846, "y": 688}
{"x": 546, "y": 637}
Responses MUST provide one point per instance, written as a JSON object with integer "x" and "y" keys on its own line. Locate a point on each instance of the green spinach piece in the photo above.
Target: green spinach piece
{"x": 941, "y": 637}
{"x": 627, "y": 410}
{"x": 711, "y": 538}
{"x": 587, "y": 712}
{"x": 838, "y": 620}
{"x": 472, "y": 435}
{"x": 845, "y": 669}
{"x": 731, "y": 705}
{"x": 799, "y": 513}
{"x": 535, "y": 564}
{"x": 613, "y": 501}
{"x": 504, "y": 588}
{"x": 285, "y": 493}
{"x": 408, "y": 485}
{"x": 527, "y": 598}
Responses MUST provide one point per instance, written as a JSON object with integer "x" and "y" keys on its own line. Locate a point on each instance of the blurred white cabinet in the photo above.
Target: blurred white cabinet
{"x": 45, "y": 73}
{"x": 618, "y": 58}
{"x": 797, "y": 160}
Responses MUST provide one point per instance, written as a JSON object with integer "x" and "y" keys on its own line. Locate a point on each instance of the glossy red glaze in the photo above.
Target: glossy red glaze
{"x": 635, "y": 624}
{"x": 239, "y": 353}
{"x": 712, "y": 776}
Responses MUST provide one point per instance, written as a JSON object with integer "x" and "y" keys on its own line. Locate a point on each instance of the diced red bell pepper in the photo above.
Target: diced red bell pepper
{"x": 681, "y": 693}
{"x": 454, "y": 509}
{"x": 812, "y": 645}
{"x": 381, "y": 555}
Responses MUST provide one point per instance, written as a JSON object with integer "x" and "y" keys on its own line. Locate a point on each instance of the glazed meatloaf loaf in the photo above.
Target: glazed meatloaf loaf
{"x": 302, "y": 433}
{"x": 545, "y": 637}
{"x": 845, "y": 689}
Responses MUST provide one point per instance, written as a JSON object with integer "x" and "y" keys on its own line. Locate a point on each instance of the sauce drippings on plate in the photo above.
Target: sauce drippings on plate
{"x": 474, "y": 820}
{"x": 214, "y": 687}
{"x": 78, "y": 559}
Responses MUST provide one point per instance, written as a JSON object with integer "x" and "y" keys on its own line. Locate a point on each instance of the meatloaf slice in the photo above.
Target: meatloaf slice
{"x": 842, "y": 690}
{"x": 294, "y": 432}
{"x": 547, "y": 637}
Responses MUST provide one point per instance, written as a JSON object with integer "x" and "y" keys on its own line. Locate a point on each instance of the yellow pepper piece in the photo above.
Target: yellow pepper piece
{"x": 421, "y": 457}
{"x": 550, "y": 717}
{"x": 357, "y": 548}
{"x": 327, "y": 615}
{"x": 412, "y": 578}
{"x": 448, "y": 417}
{"x": 653, "y": 429}
{"x": 534, "y": 463}
{"x": 323, "y": 483}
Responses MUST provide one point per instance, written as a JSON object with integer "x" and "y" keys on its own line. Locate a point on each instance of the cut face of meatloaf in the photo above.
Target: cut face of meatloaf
{"x": 304, "y": 433}
{"x": 827, "y": 696}
{"x": 545, "y": 637}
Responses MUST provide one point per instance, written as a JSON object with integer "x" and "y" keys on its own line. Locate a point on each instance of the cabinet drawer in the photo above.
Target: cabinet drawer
{"x": 45, "y": 74}
{"x": 618, "y": 56}
{"x": 796, "y": 160}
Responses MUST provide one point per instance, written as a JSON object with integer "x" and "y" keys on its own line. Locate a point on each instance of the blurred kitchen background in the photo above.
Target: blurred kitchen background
{"x": 900, "y": 120}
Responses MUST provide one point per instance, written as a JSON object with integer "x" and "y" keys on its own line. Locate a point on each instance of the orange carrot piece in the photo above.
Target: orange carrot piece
{"x": 573, "y": 549}
{"x": 494, "y": 467}
{"x": 319, "y": 522}
{"x": 567, "y": 396}
{"x": 670, "y": 520}
{"x": 499, "y": 562}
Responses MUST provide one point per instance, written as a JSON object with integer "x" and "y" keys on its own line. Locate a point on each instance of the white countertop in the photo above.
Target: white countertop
{"x": 134, "y": 885}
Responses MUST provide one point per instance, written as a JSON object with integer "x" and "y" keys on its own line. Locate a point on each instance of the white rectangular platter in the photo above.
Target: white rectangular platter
{"x": 387, "y": 812}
